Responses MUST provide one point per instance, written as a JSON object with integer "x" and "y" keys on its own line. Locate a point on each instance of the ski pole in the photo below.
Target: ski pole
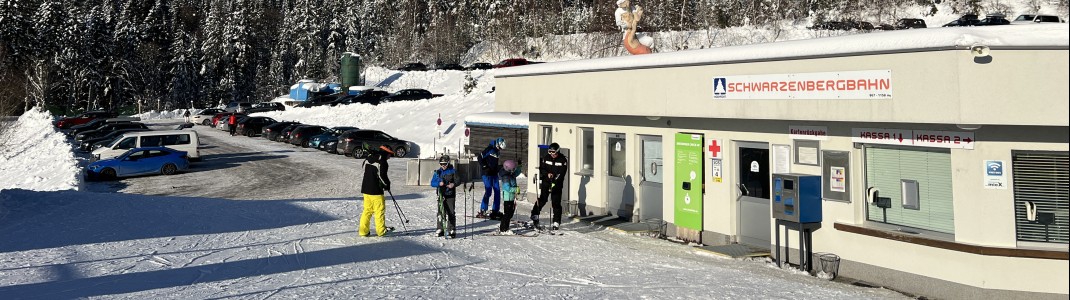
{"x": 401, "y": 215}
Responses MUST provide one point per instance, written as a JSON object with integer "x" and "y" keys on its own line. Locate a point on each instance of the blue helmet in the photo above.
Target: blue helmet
{"x": 498, "y": 143}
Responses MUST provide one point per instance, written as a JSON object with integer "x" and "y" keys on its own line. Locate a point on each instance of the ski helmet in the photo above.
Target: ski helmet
{"x": 555, "y": 147}
{"x": 445, "y": 159}
{"x": 509, "y": 165}
{"x": 500, "y": 143}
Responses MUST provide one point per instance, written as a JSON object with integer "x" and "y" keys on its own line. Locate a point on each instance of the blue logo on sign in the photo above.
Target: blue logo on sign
{"x": 994, "y": 168}
{"x": 720, "y": 89}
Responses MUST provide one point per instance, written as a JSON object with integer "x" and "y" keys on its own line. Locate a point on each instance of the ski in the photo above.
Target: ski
{"x": 539, "y": 228}
{"x": 526, "y": 234}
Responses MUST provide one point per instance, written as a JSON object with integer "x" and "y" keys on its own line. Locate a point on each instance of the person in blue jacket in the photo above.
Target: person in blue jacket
{"x": 445, "y": 181}
{"x": 488, "y": 160}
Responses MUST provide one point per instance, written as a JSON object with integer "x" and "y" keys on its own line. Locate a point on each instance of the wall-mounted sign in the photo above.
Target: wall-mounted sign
{"x": 817, "y": 133}
{"x": 995, "y": 177}
{"x": 921, "y": 138}
{"x": 715, "y": 169}
{"x": 870, "y": 84}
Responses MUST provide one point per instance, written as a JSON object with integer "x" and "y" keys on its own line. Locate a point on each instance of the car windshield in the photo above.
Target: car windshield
{"x": 1025, "y": 18}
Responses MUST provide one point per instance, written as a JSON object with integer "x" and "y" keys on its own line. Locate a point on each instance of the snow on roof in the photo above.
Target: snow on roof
{"x": 1054, "y": 35}
{"x": 498, "y": 119}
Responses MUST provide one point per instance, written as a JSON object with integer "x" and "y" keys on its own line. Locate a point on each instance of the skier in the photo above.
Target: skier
{"x": 445, "y": 179}
{"x": 232, "y": 123}
{"x": 186, "y": 115}
{"x": 552, "y": 168}
{"x": 510, "y": 192}
{"x": 489, "y": 162}
{"x": 375, "y": 185}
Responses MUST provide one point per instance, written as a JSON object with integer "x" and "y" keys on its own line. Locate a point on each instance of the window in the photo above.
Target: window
{"x": 177, "y": 139}
{"x": 546, "y": 135}
{"x": 587, "y": 148}
{"x": 151, "y": 141}
{"x": 653, "y": 167}
{"x": 1041, "y": 196}
{"x": 918, "y": 181}
{"x": 127, "y": 143}
{"x": 617, "y": 154}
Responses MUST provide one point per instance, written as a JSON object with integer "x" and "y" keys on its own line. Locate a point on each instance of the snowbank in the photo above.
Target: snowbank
{"x": 34, "y": 156}
{"x": 414, "y": 121}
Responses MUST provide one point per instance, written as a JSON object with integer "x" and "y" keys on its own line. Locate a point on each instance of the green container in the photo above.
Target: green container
{"x": 350, "y": 70}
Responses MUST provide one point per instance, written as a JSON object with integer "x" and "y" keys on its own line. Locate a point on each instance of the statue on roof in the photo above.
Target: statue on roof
{"x": 628, "y": 20}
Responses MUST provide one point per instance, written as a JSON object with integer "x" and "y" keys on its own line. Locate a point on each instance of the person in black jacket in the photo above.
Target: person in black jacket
{"x": 552, "y": 171}
{"x": 373, "y": 187}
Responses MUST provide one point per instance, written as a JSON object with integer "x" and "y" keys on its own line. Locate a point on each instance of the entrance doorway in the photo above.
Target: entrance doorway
{"x": 620, "y": 188}
{"x": 752, "y": 182}
{"x": 650, "y": 184}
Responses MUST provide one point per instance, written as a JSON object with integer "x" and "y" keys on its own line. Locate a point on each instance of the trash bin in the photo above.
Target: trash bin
{"x": 830, "y": 265}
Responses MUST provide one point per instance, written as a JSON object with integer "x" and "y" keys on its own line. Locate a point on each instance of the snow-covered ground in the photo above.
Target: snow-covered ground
{"x": 34, "y": 156}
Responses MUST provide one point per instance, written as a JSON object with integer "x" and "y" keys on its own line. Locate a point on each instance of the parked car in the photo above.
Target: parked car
{"x": 415, "y": 66}
{"x": 453, "y": 67}
{"x": 184, "y": 140}
{"x": 964, "y": 20}
{"x": 107, "y": 128}
{"x": 369, "y": 97}
{"x": 513, "y": 62}
{"x": 994, "y": 19}
{"x": 265, "y": 107}
{"x": 271, "y": 132}
{"x": 320, "y": 100}
{"x": 88, "y": 144}
{"x": 302, "y": 135}
{"x": 205, "y": 116}
{"x": 223, "y": 118}
{"x": 351, "y": 143}
{"x": 909, "y": 23}
{"x": 139, "y": 161}
{"x": 224, "y": 122}
{"x": 329, "y": 138}
{"x": 284, "y": 135}
{"x": 240, "y": 107}
{"x": 409, "y": 94}
{"x": 97, "y": 123}
{"x": 252, "y": 126}
{"x": 83, "y": 118}
{"x": 1036, "y": 19}
{"x": 480, "y": 66}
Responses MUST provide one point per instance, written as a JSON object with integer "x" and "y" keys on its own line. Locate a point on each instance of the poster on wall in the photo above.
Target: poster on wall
{"x": 781, "y": 159}
{"x": 838, "y": 179}
{"x": 688, "y": 180}
{"x": 995, "y": 177}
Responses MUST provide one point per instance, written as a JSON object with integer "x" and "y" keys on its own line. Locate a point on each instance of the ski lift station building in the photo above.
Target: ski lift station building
{"x": 932, "y": 161}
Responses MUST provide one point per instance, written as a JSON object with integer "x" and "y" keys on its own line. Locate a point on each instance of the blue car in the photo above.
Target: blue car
{"x": 327, "y": 140}
{"x": 139, "y": 161}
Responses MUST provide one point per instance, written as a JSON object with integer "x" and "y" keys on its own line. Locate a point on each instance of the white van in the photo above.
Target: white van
{"x": 182, "y": 140}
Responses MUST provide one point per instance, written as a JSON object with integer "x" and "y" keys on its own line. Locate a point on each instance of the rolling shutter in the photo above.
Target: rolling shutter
{"x": 888, "y": 168}
{"x": 1042, "y": 178}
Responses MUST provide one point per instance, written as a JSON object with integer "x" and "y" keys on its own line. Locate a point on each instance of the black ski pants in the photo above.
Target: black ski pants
{"x": 552, "y": 193}
{"x": 449, "y": 205}
{"x": 510, "y": 209}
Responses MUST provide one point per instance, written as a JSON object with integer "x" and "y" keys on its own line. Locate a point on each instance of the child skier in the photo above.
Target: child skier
{"x": 510, "y": 192}
{"x": 445, "y": 180}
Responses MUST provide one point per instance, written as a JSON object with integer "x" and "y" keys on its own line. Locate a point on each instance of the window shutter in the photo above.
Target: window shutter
{"x": 1042, "y": 178}
{"x": 886, "y": 168}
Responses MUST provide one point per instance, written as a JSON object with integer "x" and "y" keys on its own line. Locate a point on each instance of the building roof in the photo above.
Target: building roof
{"x": 498, "y": 119}
{"x": 1041, "y": 36}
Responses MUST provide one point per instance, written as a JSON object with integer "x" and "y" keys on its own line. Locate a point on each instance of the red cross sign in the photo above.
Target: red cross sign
{"x": 715, "y": 148}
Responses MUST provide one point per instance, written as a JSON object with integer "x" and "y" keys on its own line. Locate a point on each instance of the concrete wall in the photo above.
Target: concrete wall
{"x": 1014, "y": 87}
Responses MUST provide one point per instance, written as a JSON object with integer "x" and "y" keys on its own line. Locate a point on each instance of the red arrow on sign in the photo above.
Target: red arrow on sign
{"x": 900, "y": 137}
{"x": 967, "y": 140}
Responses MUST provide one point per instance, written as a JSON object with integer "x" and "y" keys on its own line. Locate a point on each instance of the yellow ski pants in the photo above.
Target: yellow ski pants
{"x": 373, "y": 204}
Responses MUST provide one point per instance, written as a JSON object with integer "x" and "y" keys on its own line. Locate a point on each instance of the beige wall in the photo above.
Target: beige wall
{"x": 947, "y": 87}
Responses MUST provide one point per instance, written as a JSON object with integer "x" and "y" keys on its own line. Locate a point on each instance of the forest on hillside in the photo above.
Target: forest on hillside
{"x": 164, "y": 54}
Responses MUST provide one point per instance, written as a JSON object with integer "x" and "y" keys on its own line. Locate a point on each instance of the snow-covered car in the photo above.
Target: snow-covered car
{"x": 139, "y": 161}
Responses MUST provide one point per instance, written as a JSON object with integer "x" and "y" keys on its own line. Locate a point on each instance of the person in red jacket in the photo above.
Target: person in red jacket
{"x": 233, "y": 123}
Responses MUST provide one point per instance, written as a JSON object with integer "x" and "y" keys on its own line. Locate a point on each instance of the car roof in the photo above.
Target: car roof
{"x": 159, "y": 132}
